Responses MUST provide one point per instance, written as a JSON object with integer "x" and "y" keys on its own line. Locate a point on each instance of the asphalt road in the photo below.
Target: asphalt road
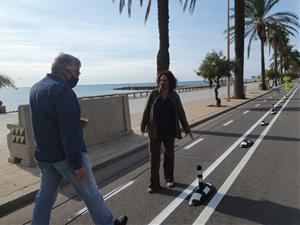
{"x": 255, "y": 185}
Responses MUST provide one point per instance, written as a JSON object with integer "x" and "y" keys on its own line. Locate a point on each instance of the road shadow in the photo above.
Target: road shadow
{"x": 251, "y": 136}
{"x": 292, "y": 109}
{"x": 265, "y": 109}
{"x": 172, "y": 191}
{"x": 222, "y": 106}
{"x": 259, "y": 211}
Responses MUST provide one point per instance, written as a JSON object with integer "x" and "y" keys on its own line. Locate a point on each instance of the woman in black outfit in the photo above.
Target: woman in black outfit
{"x": 160, "y": 120}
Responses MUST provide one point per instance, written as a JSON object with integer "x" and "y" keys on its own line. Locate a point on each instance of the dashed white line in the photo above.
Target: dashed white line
{"x": 226, "y": 124}
{"x": 194, "y": 143}
{"x": 246, "y": 112}
{"x": 265, "y": 100}
{"x": 212, "y": 205}
{"x": 178, "y": 200}
{"x": 257, "y": 105}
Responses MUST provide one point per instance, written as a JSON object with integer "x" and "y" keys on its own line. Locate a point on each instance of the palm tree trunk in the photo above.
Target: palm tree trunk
{"x": 276, "y": 66}
{"x": 263, "y": 77}
{"x": 163, "y": 58}
{"x": 239, "y": 18}
{"x": 281, "y": 66}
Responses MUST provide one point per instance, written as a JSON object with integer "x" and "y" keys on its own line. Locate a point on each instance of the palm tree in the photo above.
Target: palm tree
{"x": 5, "y": 81}
{"x": 290, "y": 58}
{"x": 284, "y": 42}
{"x": 277, "y": 38}
{"x": 258, "y": 22}
{"x": 295, "y": 61}
{"x": 163, "y": 58}
{"x": 239, "y": 19}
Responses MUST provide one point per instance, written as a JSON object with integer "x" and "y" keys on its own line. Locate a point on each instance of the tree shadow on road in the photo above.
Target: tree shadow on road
{"x": 259, "y": 211}
{"x": 237, "y": 135}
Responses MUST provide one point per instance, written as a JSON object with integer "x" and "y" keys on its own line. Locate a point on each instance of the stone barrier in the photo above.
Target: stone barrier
{"x": 20, "y": 140}
{"x": 109, "y": 118}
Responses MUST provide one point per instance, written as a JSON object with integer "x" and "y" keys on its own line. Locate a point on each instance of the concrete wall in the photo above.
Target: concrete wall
{"x": 109, "y": 118}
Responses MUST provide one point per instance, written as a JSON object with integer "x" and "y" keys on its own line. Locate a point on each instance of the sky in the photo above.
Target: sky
{"x": 112, "y": 47}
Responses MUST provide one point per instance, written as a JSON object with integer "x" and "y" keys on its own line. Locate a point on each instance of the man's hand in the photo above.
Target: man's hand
{"x": 84, "y": 122}
{"x": 80, "y": 174}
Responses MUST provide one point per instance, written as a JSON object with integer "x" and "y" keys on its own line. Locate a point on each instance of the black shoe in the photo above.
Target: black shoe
{"x": 122, "y": 220}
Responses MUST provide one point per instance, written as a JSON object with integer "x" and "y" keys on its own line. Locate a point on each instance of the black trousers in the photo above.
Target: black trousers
{"x": 155, "y": 150}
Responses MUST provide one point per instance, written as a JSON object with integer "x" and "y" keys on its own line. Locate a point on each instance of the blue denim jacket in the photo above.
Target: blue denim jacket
{"x": 55, "y": 117}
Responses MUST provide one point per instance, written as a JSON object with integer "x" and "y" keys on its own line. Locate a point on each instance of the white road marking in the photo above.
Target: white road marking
{"x": 265, "y": 100}
{"x": 214, "y": 202}
{"x": 257, "y": 105}
{"x": 177, "y": 201}
{"x": 206, "y": 190}
{"x": 226, "y": 124}
{"x": 194, "y": 143}
{"x": 244, "y": 113}
{"x": 106, "y": 197}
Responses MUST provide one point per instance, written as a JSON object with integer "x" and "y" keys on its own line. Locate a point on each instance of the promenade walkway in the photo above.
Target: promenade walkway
{"x": 19, "y": 184}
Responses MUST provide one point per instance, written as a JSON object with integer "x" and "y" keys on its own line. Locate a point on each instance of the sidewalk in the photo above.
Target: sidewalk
{"x": 19, "y": 185}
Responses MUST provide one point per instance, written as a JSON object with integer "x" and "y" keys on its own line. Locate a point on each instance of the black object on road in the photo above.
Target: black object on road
{"x": 246, "y": 143}
{"x": 263, "y": 123}
{"x": 273, "y": 111}
{"x": 203, "y": 192}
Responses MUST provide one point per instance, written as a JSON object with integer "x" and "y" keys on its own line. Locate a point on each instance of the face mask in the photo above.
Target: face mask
{"x": 73, "y": 82}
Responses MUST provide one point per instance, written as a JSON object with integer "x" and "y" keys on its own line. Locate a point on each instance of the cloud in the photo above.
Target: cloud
{"x": 112, "y": 47}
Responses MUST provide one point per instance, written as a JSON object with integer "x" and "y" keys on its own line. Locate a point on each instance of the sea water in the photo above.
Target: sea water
{"x": 12, "y": 98}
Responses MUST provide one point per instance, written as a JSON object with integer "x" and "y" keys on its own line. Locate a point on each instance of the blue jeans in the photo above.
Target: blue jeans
{"x": 51, "y": 177}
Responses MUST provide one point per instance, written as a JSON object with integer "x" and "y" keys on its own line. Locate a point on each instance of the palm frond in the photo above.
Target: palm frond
{"x": 270, "y": 4}
{"x": 192, "y": 6}
{"x": 147, "y": 11}
{"x": 121, "y": 5}
{"x": 189, "y": 4}
{"x": 249, "y": 43}
{"x": 129, "y": 7}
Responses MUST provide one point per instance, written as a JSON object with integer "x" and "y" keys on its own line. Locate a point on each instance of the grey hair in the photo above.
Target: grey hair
{"x": 64, "y": 61}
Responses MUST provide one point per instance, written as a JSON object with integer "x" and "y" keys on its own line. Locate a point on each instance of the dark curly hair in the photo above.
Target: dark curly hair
{"x": 171, "y": 79}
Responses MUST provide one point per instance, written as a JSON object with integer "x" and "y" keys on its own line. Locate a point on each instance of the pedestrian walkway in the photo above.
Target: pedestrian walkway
{"x": 19, "y": 184}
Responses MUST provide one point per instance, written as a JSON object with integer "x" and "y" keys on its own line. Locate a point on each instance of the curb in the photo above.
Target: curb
{"x": 29, "y": 197}
{"x": 17, "y": 203}
{"x": 207, "y": 118}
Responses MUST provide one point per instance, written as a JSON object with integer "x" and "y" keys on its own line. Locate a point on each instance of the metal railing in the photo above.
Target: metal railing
{"x": 145, "y": 93}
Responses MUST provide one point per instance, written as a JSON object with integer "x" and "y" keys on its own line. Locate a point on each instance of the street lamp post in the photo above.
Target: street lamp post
{"x": 228, "y": 52}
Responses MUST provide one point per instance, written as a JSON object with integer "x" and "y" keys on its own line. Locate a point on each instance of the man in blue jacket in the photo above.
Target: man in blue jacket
{"x": 60, "y": 149}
